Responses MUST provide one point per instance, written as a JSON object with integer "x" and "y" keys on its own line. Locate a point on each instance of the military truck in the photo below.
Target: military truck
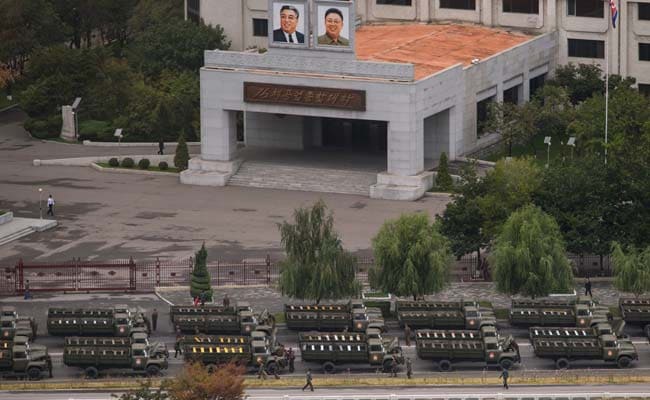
{"x": 444, "y": 314}
{"x": 576, "y": 311}
{"x": 211, "y": 319}
{"x": 21, "y": 321}
{"x": 117, "y": 321}
{"x": 484, "y": 345}
{"x": 154, "y": 348}
{"x": 113, "y": 354}
{"x": 332, "y": 348}
{"x": 10, "y": 327}
{"x": 636, "y": 311}
{"x": 564, "y": 345}
{"x": 352, "y": 316}
{"x": 18, "y": 359}
{"x": 249, "y": 351}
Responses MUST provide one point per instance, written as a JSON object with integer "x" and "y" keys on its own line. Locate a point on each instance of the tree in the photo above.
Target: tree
{"x": 582, "y": 81}
{"x": 443, "y": 178}
{"x": 197, "y": 383}
{"x": 317, "y": 267}
{"x": 515, "y": 123}
{"x": 529, "y": 257}
{"x": 182, "y": 156}
{"x": 412, "y": 257}
{"x": 146, "y": 391}
{"x": 631, "y": 269}
{"x": 200, "y": 278}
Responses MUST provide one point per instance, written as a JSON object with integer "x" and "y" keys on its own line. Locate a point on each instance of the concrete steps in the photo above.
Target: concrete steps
{"x": 286, "y": 177}
{"x": 16, "y": 235}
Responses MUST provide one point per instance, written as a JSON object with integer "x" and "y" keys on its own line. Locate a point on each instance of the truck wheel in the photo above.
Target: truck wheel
{"x": 92, "y": 373}
{"x": 506, "y": 363}
{"x": 34, "y": 373}
{"x": 444, "y": 365}
{"x": 624, "y": 362}
{"x": 153, "y": 370}
{"x": 387, "y": 366}
{"x": 272, "y": 368}
{"x": 562, "y": 363}
{"x": 329, "y": 368}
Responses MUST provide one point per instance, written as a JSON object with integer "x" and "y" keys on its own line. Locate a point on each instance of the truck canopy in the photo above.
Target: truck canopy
{"x": 216, "y": 339}
{"x": 406, "y": 305}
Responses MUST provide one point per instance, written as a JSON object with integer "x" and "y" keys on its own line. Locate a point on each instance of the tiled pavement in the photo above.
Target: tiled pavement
{"x": 271, "y": 299}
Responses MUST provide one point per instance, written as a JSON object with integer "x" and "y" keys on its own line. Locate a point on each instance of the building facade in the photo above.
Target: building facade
{"x": 583, "y": 26}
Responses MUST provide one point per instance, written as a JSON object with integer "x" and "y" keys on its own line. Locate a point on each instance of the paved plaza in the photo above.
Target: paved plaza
{"x": 105, "y": 216}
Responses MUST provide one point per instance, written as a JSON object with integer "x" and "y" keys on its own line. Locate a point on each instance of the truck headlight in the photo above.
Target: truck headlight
{"x": 121, "y": 329}
{"x": 375, "y": 357}
{"x": 609, "y": 353}
{"x": 471, "y": 322}
{"x": 582, "y": 321}
{"x": 247, "y": 328}
{"x": 359, "y": 325}
{"x": 491, "y": 355}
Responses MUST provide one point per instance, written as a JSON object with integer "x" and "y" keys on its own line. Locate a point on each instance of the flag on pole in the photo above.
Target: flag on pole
{"x": 612, "y": 6}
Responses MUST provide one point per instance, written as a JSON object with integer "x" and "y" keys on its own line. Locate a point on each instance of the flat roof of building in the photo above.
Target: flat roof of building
{"x": 433, "y": 47}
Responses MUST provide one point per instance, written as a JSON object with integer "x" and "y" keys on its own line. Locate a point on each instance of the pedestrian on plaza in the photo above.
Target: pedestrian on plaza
{"x": 588, "y": 288}
{"x": 161, "y": 146}
{"x": 393, "y": 367}
{"x": 226, "y": 301}
{"x": 202, "y": 297}
{"x": 292, "y": 359}
{"x": 261, "y": 372}
{"x": 409, "y": 367}
{"x": 28, "y": 293}
{"x": 505, "y": 374}
{"x": 407, "y": 335}
{"x": 50, "y": 206}
{"x": 154, "y": 319}
{"x": 177, "y": 346}
{"x": 308, "y": 384}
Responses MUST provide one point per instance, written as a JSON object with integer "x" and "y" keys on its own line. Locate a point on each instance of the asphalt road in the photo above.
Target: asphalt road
{"x": 104, "y": 216}
{"x": 437, "y": 392}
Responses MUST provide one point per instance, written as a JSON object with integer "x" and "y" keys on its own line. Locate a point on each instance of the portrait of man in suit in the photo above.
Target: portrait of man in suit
{"x": 290, "y": 22}
{"x": 334, "y": 27}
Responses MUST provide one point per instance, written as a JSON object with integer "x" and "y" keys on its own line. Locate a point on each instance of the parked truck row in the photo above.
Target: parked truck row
{"x": 239, "y": 319}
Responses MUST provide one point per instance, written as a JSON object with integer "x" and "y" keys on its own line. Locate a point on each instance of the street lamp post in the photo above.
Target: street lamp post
{"x": 547, "y": 142}
{"x": 571, "y": 142}
{"x": 40, "y": 202}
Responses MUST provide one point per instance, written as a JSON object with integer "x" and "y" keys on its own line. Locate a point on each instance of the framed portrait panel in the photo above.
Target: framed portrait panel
{"x": 333, "y": 25}
{"x": 289, "y": 20}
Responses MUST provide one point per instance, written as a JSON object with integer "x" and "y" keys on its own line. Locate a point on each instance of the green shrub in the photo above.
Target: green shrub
{"x": 444, "y": 181}
{"x": 44, "y": 128}
{"x": 95, "y": 130}
{"x": 163, "y": 166}
{"x": 114, "y": 162}
{"x": 128, "y": 162}
{"x": 182, "y": 156}
{"x": 144, "y": 163}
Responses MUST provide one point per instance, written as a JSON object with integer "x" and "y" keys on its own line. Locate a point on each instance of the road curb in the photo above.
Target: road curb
{"x": 133, "y": 170}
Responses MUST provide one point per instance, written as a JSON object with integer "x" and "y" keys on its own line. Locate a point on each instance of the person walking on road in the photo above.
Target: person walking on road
{"x": 292, "y": 358}
{"x": 588, "y": 287}
{"x": 154, "y": 319}
{"x": 407, "y": 335}
{"x": 28, "y": 293}
{"x": 177, "y": 346}
{"x": 261, "y": 372}
{"x": 505, "y": 374}
{"x": 393, "y": 367}
{"x": 308, "y": 384}
{"x": 50, "y": 206}
{"x": 409, "y": 367}
{"x": 161, "y": 146}
{"x": 226, "y": 301}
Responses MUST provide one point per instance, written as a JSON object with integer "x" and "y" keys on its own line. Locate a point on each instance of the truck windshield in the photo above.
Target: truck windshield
{"x": 247, "y": 319}
{"x": 360, "y": 317}
{"x": 140, "y": 353}
{"x": 377, "y": 348}
{"x": 471, "y": 314}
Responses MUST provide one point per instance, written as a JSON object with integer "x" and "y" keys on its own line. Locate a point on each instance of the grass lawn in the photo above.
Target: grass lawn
{"x": 171, "y": 170}
{"x": 537, "y": 149}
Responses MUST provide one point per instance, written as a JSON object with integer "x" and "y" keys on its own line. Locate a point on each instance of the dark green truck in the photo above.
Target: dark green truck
{"x": 352, "y": 316}
{"x": 20, "y": 359}
{"x": 444, "y": 314}
{"x": 451, "y": 346}
{"x": 574, "y": 311}
{"x": 601, "y": 342}
{"x": 212, "y": 319}
{"x": 335, "y": 348}
{"x": 116, "y": 321}
{"x": 636, "y": 311}
{"x": 23, "y": 326}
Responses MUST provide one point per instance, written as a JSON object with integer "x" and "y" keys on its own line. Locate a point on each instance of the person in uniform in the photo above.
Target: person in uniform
{"x": 292, "y": 359}
{"x": 261, "y": 371}
{"x": 407, "y": 335}
{"x": 287, "y": 33}
{"x": 177, "y": 346}
{"x": 505, "y": 374}
{"x": 409, "y": 367}
{"x": 154, "y": 319}
{"x": 308, "y": 384}
{"x": 333, "y": 27}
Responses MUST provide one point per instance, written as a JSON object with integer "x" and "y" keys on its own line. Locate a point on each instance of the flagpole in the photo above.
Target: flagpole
{"x": 606, "y": 88}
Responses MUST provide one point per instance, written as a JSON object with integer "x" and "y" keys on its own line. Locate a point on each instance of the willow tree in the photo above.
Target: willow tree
{"x": 631, "y": 269}
{"x": 317, "y": 267}
{"x": 529, "y": 256}
{"x": 412, "y": 257}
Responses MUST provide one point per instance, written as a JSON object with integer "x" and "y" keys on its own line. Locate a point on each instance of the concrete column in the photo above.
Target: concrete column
{"x": 219, "y": 135}
{"x": 406, "y": 146}
{"x": 424, "y": 13}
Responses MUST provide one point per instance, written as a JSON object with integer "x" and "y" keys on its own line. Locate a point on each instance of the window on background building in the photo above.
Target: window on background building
{"x": 644, "y": 89}
{"x": 586, "y": 8}
{"x": 521, "y": 6}
{"x": 644, "y": 51}
{"x": 395, "y": 2}
{"x": 482, "y": 115}
{"x": 260, "y": 27}
{"x": 536, "y": 84}
{"x": 511, "y": 95}
{"x": 194, "y": 10}
{"x": 458, "y": 4}
{"x": 644, "y": 11}
{"x": 586, "y": 48}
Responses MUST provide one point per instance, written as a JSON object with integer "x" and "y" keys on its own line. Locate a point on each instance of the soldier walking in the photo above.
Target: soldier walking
{"x": 177, "y": 346}
{"x": 48, "y": 360}
{"x": 292, "y": 358}
{"x": 393, "y": 367}
{"x": 308, "y": 384}
{"x": 407, "y": 335}
{"x": 261, "y": 372}
{"x": 226, "y": 301}
{"x": 588, "y": 287}
{"x": 154, "y": 319}
{"x": 505, "y": 374}
{"x": 409, "y": 367}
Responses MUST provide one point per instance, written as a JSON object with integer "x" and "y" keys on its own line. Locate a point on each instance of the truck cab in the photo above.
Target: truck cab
{"x": 143, "y": 360}
{"x": 247, "y": 321}
{"x": 475, "y": 318}
{"x": 620, "y": 351}
{"x": 382, "y": 351}
{"x": 122, "y": 324}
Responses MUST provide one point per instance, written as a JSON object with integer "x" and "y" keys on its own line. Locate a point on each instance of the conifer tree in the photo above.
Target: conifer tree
{"x": 182, "y": 156}
{"x": 444, "y": 181}
{"x": 200, "y": 279}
